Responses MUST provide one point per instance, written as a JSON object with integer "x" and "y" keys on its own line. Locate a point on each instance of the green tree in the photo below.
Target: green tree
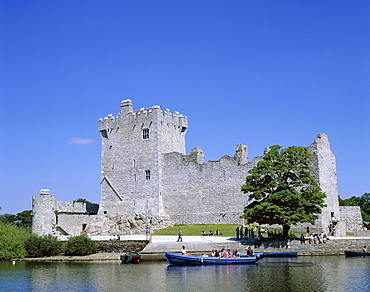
{"x": 81, "y": 200}
{"x": 40, "y": 246}
{"x": 80, "y": 245}
{"x": 24, "y": 219}
{"x": 7, "y": 218}
{"x": 363, "y": 202}
{"x": 12, "y": 241}
{"x": 282, "y": 190}
{"x": 365, "y": 206}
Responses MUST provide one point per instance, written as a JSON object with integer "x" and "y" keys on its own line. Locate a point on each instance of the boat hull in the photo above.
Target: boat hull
{"x": 130, "y": 258}
{"x": 356, "y": 253}
{"x": 185, "y": 260}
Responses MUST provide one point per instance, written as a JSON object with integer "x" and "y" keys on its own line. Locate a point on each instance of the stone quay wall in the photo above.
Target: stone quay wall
{"x": 116, "y": 246}
{"x": 331, "y": 247}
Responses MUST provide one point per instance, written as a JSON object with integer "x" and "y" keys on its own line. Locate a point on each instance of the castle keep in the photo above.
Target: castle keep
{"x": 147, "y": 178}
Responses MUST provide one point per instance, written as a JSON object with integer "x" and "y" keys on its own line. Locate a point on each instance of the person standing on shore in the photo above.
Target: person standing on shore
{"x": 180, "y": 235}
{"x": 237, "y": 232}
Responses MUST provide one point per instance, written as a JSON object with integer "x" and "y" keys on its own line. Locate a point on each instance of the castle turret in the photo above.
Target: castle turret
{"x": 43, "y": 210}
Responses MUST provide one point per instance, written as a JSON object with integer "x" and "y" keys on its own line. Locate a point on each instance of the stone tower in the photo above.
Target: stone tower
{"x": 324, "y": 170}
{"x": 132, "y": 148}
{"x": 43, "y": 209}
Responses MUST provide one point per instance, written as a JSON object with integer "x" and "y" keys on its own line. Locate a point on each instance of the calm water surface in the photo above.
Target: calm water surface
{"x": 330, "y": 273}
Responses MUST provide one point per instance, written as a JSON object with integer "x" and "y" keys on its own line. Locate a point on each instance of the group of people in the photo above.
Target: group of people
{"x": 223, "y": 253}
{"x": 240, "y": 233}
{"x": 116, "y": 237}
{"x": 210, "y": 233}
{"x": 255, "y": 232}
{"x": 317, "y": 238}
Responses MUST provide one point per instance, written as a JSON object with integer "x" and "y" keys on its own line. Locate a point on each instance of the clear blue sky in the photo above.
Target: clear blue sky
{"x": 258, "y": 73}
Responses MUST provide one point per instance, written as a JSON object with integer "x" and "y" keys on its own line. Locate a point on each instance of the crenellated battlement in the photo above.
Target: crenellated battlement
{"x": 154, "y": 114}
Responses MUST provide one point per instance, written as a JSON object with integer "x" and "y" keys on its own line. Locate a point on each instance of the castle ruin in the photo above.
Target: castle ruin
{"x": 147, "y": 179}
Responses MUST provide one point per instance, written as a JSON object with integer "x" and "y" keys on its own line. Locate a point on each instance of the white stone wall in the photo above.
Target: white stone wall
{"x": 57, "y": 217}
{"x": 43, "y": 210}
{"x": 324, "y": 170}
{"x": 352, "y": 217}
{"x": 73, "y": 223}
{"x": 127, "y": 156}
{"x": 210, "y": 192}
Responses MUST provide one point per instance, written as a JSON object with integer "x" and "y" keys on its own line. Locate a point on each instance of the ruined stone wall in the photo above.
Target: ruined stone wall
{"x": 73, "y": 223}
{"x": 195, "y": 192}
{"x": 57, "y": 217}
{"x": 324, "y": 170}
{"x": 352, "y": 217}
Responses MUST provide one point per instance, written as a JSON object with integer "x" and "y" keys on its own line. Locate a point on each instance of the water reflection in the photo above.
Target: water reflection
{"x": 335, "y": 273}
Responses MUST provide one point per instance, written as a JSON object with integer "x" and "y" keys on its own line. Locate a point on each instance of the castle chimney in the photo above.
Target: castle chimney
{"x": 241, "y": 154}
{"x": 126, "y": 106}
{"x": 197, "y": 154}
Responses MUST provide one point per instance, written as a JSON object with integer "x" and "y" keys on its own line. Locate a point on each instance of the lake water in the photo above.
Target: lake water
{"x": 329, "y": 273}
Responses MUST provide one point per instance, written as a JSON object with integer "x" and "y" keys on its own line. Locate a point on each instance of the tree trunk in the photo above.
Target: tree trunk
{"x": 286, "y": 229}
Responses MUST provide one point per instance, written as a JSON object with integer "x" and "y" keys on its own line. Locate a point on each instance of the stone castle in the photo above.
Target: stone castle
{"x": 148, "y": 180}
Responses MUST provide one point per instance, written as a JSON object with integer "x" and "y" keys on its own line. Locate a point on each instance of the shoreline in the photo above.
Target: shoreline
{"x": 199, "y": 245}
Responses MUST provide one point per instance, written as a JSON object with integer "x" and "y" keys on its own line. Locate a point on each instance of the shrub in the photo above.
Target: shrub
{"x": 12, "y": 241}
{"x": 41, "y": 246}
{"x": 80, "y": 245}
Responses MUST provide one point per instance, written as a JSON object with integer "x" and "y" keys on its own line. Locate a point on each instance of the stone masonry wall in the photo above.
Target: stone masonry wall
{"x": 323, "y": 169}
{"x": 204, "y": 193}
{"x": 352, "y": 217}
{"x": 131, "y": 166}
{"x": 57, "y": 217}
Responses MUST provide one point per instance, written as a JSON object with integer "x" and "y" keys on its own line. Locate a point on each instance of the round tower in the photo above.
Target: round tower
{"x": 43, "y": 210}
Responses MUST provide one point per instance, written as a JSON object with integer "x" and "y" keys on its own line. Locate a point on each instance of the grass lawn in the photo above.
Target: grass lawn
{"x": 196, "y": 229}
{"x": 227, "y": 230}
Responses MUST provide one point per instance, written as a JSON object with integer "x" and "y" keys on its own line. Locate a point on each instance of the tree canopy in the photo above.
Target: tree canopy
{"x": 81, "y": 200}
{"x": 22, "y": 219}
{"x": 281, "y": 189}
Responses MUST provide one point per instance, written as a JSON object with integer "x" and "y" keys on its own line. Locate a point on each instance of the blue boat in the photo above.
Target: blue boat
{"x": 188, "y": 260}
{"x": 283, "y": 254}
{"x": 349, "y": 253}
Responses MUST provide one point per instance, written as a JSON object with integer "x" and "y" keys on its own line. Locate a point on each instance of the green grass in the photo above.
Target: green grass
{"x": 196, "y": 229}
{"x": 227, "y": 230}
